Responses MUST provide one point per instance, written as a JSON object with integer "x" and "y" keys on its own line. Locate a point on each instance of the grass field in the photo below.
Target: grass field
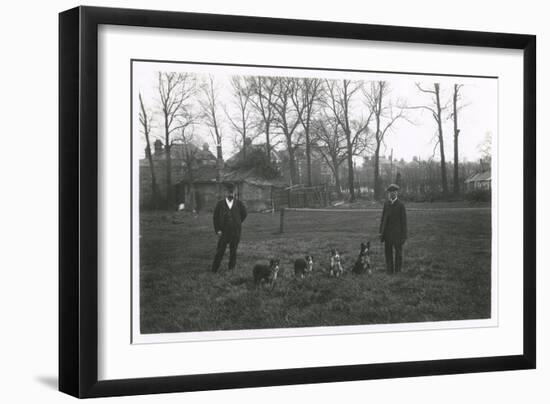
{"x": 446, "y": 274}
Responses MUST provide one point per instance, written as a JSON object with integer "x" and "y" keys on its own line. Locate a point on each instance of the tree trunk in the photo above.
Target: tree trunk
{"x": 441, "y": 144}
{"x": 292, "y": 166}
{"x": 154, "y": 186}
{"x": 267, "y": 143}
{"x": 337, "y": 180}
{"x": 219, "y": 163}
{"x": 308, "y": 158}
{"x": 377, "y": 187}
{"x": 167, "y": 151}
{"x": 456, "y": 185}
{"x": 350, "y": 168}
{"x": 336, "y": 172}
{"x": 190, "y": 196}
{"x": 244, "y": 146}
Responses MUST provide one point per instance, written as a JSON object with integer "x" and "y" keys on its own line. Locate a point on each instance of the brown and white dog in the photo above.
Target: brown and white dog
{"x": 362, "y": 264}
{"x": 303, "y": 266}
{"x": 266, "y": 274}
{"x": 336, "y": 268}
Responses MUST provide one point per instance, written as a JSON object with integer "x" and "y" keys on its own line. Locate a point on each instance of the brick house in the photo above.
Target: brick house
{"x": 200, "y": 158}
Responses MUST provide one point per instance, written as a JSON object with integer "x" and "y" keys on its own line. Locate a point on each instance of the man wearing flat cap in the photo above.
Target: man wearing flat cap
{"x": 228, "y": 217}
{"x": 393, "y": 229}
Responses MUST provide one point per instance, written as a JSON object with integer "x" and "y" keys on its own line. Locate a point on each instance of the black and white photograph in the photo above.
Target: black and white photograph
{"x": 271, "y": 202}
{"x": 295, "y": 200}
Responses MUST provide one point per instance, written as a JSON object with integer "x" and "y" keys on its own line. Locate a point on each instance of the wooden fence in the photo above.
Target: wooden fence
{"x": 302, "y": 197}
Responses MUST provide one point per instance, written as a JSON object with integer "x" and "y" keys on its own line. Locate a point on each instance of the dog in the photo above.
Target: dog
{"x": 336, "y": 268}
{"x": 303, "y": 266}
{"x": 266, "y": 274}
{"x": 362, "y": 264}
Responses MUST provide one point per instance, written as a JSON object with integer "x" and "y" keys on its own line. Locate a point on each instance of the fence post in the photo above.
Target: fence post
{"x": 282, "y": 221}
{"x": 289, "y": 197}
{"x": 272, "y": 200}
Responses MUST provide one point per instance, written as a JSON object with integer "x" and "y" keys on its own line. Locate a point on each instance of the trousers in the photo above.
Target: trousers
{"x": 393, "y": 264}
{"x": 223, "y": 241}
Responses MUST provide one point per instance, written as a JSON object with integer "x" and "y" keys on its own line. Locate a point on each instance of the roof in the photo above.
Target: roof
{"x": 249, "y": 177}
{"x": 202, "y": 174}
{"x": 178, "y": 150}
{"x": 477, "y": 177}
{"x": 234, "y": 159}
{"x": 208, "y": 175}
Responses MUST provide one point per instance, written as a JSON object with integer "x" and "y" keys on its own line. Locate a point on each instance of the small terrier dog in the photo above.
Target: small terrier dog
{"x": 363, "y": 260}
{"x": 266, "y": 274}
{"x": 303, "y": 266}
{"x": 336, "y": 268}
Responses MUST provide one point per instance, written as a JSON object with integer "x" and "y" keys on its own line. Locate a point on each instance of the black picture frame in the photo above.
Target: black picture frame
{"x": 78, "y": 200}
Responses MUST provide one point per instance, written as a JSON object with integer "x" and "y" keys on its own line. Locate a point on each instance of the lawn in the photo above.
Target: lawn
{"x": 446, "y": 274}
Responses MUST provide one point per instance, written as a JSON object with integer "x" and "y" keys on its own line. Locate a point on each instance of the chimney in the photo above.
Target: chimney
{"x": 158, "y": 147}
{"x": 205, "y": 147}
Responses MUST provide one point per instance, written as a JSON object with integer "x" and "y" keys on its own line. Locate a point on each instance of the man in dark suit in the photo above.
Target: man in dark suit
{"x": 393, "y": 230}
{"x": 228, "y": 216}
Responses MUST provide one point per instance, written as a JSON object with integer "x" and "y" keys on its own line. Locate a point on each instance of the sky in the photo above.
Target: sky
{"x": 413, "y": 136}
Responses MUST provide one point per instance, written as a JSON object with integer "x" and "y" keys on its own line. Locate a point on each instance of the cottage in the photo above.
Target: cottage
{"x": 202, "y": 193}
{"x": 478, "y": 181}
{"x": 257, "y": 192}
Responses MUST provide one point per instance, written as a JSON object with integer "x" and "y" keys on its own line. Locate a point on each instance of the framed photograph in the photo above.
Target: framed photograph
{"x": 251, "y": 201}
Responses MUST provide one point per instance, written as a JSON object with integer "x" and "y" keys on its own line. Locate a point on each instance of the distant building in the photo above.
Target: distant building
{"x": 181, "y": 154}
{"x": 478, "y": 181}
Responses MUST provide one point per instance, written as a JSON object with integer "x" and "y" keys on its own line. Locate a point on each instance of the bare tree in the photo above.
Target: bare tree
{"x": 436, "y": 109}
{"x": 286, "y": 118}
{"x": 378, "y": 102}
{"x": 175, "y": 89}
{"x": 145, "y": 119}
{"x": 210, "y": 105}
{"x": 263, "y": 97}
{"x": 241, "y": 121}
{"x": 330, "y": 141}
{"x": 339, "y": 102}
{"x": 305, "y": 99}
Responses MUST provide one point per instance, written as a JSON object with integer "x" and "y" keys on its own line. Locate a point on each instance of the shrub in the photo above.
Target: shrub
{"x": 257, "y": 159}
{"x": 479, "y": 195}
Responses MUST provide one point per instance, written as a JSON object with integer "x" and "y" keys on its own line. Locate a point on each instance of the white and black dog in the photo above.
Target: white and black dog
{"x": 303, "y": 266}
{"x": 362, "y": 264}
{"x": 336, "y": 268}
{"x": 266, "y": 274}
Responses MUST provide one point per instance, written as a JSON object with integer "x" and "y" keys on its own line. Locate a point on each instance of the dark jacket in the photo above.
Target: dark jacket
{"x": 393, "y": 225}
{"x": 228, "y": 221}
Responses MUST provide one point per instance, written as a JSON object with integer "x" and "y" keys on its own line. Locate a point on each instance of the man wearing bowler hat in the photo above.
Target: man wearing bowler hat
{"x": 228, "y": 216}
{"x": 393, "y": 230}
